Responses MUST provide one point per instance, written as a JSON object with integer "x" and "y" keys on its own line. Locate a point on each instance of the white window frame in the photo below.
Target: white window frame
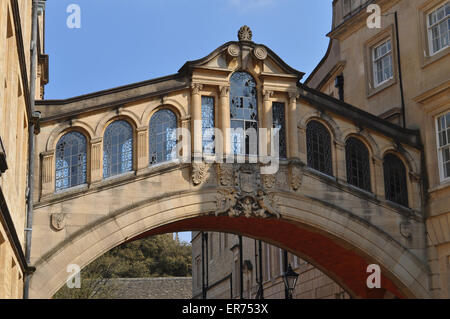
{"x": 440, "y": 148}
{"x": 376, "y": 59}
{"x": 430, "y": 27}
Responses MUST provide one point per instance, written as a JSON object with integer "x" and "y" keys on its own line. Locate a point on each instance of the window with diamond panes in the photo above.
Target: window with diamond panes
{"x": 279, "y": 120}
{"x": 244, "y": 113}
{"x": 395, "y": 180}
{"x": 71, "y": 159}
{"x": 163, "y": 137}
{"x": 117, "y": 149}
{"x": 358, "y": 164}
{"x": 318, "y": 142}
{"x": 208, "y": 125}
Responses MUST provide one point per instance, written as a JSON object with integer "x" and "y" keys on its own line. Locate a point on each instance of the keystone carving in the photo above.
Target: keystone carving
{"x": 58, "y": 221}
{"x": 296, "y": 174}
{"x": 199, "y": 173}
{"x": 235, "y": 204}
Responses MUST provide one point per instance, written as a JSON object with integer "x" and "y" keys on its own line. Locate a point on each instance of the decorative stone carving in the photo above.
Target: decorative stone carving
{"x": 196, "y": 88}
{"x": 296, "y": 174}
{"x": 58, "y": 221}
{"x": 224, "y": 91}
{"x": 406, "y": 229}
{"x": 260, "y": 53}
{"x": 226, "y": 174}
{"x": 245, "y": 34}
{"x": 199, "y": 173}
{"x": 268, "y": 181}
{"x": 233, "y": 50}
{"x": 235, "y": 204}
{"x": 267, "y": 95}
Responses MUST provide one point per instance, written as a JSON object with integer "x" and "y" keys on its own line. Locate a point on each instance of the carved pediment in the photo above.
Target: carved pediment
{"x": 242, "y": 54}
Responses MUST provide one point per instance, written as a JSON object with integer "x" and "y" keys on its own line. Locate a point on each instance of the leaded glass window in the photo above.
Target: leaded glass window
{"x": 163, "y": 137}
{"x": 117, "y": 149}
{"x": 395, "y": 180}
{"x": 318, "y": 141}
{"x": 71, "y": 161}
{"x": 244, "y": 113}
{"x": 279, "y": 121}
{"x": 208, "y": 125}
{"x": 443, "y": 131}
{"x": 358, "y": 164}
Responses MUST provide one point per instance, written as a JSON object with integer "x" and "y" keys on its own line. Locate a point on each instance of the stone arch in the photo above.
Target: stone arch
{"x": 366, "y": 138}
{"x": 404, "y": 155}
{"x": 63, "y": 128}
{"x": 336, "y": 241}
{"x": 324, "y": 119}
{"x": 112, "y": 116}
{"x": 170, "y": 104}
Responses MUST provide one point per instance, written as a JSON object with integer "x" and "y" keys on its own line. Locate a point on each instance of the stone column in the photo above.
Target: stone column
{"x": 340, "y": 168}
{"x": 96, "y": 172}
{"x": 142, "y": 142}
{"x": 196, "y": 117}
{"x": 48, "y": 173}
{"x": 292, "y": 126}
{"x": 267, "y": 117}
{"x": 224, "y": 117}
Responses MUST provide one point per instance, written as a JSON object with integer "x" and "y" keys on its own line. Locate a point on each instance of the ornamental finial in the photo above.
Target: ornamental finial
{"x": 245, "y": 34}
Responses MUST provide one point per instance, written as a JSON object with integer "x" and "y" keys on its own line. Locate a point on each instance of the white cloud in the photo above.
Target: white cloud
{"x": 247, "y": 5}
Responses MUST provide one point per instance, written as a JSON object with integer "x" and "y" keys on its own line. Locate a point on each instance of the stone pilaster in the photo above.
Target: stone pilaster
{"x": 196, "y": 118}
{"x": 48, "y": 173}
{"x": 340, "y": 168}
{"x": 142, "y": 160}
{"x": 96, "y": 172}
{"x": 378, "y": 177}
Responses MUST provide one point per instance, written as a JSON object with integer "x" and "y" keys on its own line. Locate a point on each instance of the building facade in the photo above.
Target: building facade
{"x": 399, "y": 72}
{"x": 15, "y": 118}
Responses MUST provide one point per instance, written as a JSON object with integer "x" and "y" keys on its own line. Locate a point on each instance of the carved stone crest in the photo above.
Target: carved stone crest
{"x": 235, "y": 204}
{"x": 296, "y": 174}
{"x": 245, "y": 34}
{"x": 199, "y": 173}
{"x": 58, "y": 221}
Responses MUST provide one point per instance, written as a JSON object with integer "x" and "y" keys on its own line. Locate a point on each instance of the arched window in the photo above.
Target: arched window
{"x": 395, "y": 180}
{"x": 117, "y": 149}
{"x": 163, "y": 137}
{"x": 318, "y": 142}
{"x": 358, "y": 165}
{"x": 71, "y": 161}
{"x": 244, "y": 114}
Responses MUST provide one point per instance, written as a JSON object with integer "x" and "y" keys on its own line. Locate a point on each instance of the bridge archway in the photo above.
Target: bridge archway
{"x": 339, "y": 243}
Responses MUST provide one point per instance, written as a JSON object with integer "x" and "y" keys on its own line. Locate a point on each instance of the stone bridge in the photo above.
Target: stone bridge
{"x": 88, "y": 204}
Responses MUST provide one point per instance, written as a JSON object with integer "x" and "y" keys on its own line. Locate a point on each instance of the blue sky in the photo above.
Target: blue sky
{"x": 126, "y": 41}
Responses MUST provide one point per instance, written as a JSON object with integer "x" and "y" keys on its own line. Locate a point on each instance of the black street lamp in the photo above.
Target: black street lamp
{"x": 290, "y": 280}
